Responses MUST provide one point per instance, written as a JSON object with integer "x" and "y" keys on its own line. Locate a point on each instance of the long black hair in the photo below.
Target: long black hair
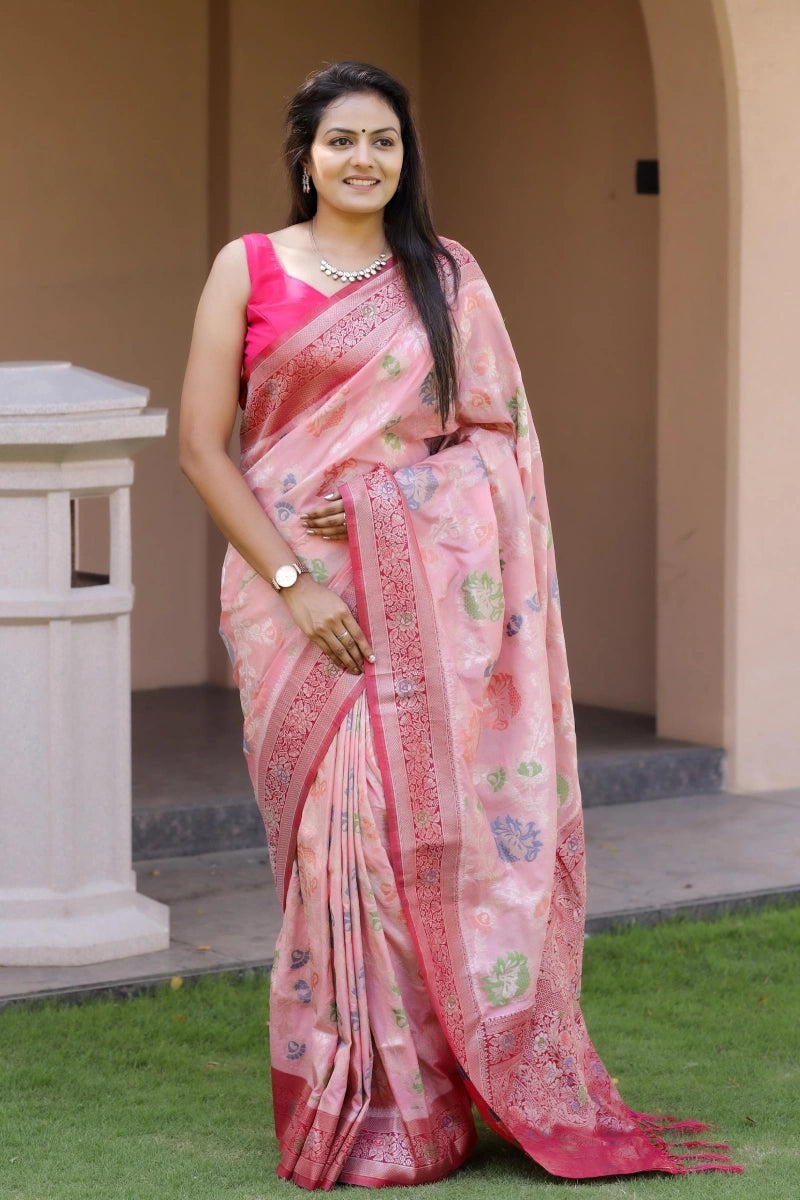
{"x": 423, "y": 260}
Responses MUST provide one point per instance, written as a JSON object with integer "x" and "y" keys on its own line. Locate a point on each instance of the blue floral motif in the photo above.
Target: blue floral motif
{"x": 534, "y": 603}
{"x": 284, "y": 510}
{"x": 299, "y": 958}
{"x": 480, "y": 464}
{"x": 426, "y": 392}
{"x": 516, "y": 841}
{"x": 295, "y": 1050}
{"x": 303, "y": 991}
{"x": 514, "y": 624}
{"x": 289, "y": 482}
{"x": 417, "y": 484}
{"x": 554, "y": 592}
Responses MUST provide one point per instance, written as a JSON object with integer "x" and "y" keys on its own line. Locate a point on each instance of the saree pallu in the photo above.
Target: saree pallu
{"x": 423, "y": 819}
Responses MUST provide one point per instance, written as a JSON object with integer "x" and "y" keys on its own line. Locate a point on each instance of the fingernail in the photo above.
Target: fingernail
{"x": 370, "y": 658}
{"x": 328, "y": 497}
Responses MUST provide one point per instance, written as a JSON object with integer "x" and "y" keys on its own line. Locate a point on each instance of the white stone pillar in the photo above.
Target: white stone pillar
{"x": 67, "y": 891}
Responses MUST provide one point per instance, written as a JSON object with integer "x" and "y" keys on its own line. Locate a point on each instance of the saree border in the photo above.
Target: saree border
{"x": 407, "y": 697}
{"x": 323, "y": 353}
{"x": 310, "y": 705}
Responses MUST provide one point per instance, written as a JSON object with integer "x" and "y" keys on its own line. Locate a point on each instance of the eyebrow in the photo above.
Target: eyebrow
{"x": 385, "y": 129}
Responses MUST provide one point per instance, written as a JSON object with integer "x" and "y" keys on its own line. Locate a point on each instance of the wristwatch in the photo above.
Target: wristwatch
{"x": 287, "y": 575}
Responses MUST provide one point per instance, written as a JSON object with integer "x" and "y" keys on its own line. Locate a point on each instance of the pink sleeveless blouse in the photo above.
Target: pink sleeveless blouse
{"x": 278, "y": 301}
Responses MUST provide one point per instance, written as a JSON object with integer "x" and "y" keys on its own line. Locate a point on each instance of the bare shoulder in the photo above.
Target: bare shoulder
{"x": 292, "y": 237}
{"x": 230, "y": 275}
{"x": 231, "y": 260}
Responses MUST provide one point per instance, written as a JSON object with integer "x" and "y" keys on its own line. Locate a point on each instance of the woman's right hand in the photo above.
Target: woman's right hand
{"x": 327, "y": 621}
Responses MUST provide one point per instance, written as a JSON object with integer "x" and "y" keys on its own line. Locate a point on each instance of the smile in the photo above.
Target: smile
{"x": 362, "y": 183}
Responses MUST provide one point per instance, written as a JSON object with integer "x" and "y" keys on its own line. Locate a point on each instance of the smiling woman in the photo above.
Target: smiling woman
{"x": 391, "y": 605}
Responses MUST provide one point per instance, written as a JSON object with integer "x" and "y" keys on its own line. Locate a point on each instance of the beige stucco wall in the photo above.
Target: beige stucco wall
{"x": 762, "y": 678}
{"x": 535, "y": 115}
{"x": 103, "y": 129}
{"x": 692, "y": 371}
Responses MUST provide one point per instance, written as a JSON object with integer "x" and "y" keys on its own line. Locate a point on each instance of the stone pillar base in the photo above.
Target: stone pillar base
{"x": 66, "y": 931}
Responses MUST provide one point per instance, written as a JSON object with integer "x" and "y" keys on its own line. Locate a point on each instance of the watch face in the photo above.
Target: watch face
{"x": 286, "y": 575}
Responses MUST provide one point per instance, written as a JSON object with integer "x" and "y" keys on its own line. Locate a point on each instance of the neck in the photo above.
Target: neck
{"x": 351, "y": 235}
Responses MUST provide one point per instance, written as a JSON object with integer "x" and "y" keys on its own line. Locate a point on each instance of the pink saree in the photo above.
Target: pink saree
{"x": 423, "y": 820}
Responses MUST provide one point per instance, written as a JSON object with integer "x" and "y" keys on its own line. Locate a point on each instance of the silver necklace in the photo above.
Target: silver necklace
{"x": 374, "y": 267}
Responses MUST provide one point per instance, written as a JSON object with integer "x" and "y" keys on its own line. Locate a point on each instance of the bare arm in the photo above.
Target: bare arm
{"x": 208, "y": 412}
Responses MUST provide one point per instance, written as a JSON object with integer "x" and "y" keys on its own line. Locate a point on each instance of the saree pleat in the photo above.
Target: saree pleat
{"x": 366, "y": 1088}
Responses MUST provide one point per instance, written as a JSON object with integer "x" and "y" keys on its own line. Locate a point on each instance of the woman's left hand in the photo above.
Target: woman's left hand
{"x": 327, "y": 522}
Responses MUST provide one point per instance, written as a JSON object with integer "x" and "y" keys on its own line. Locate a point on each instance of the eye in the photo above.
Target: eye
{"x": 340, "y": 141}
{"x": 386, "y": 143}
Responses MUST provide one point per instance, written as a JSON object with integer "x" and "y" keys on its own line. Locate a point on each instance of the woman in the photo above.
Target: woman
{"x": 391, "y": 607}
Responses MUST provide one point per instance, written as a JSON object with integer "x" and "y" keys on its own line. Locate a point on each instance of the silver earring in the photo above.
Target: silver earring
{"x": 306, "y": 182}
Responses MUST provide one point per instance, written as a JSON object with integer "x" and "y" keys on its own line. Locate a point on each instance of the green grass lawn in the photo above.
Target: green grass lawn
{"x": 167, "y": 1095}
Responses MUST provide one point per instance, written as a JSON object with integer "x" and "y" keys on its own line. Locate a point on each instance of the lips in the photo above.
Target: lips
{"x": 364, "y": 184}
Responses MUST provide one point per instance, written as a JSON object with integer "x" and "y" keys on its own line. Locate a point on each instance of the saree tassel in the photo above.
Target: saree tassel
{"x": 708, "y": 1145}
{"x": 706, "y": 1161}
{"x": 668, "y": 1124}
{"x": 704, "y": 1157}
{"x": 654, "y": 1126}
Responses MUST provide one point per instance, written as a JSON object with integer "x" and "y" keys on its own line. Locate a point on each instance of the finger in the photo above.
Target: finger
{"x": 328, "y": 524}
{"x": 365, "y": 651}
{"x": 327, "y": 510}
{"x": 334, "y": 653}
{"x": 346, "y": 652}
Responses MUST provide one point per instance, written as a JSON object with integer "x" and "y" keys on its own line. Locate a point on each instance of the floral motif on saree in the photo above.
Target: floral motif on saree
{"x": 423, "y": 820}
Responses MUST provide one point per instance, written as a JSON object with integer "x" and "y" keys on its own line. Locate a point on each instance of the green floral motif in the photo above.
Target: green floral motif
{"x": 333, "y": 1015}
{"x": 530, "y": 769}
{"x": 562, "y": 786}
{"x": 390, "y": 438}
{"x": 582, "y": 1095}
{"x": 507, "y": 980}
{"x": 518, "y": 408}
{"x": 549, "y": 535}
{"x": 496, "y": 779}
{"x": 400, "y": 1017}
{"x": 375, "y": 920}
{"x": 416, "y": 1083}
{"x": 483, "y": 597}
{"x": 391, "y": 365}
{"x": 318, "y": 570}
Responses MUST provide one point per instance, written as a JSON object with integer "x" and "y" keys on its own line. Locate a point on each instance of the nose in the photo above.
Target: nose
{"x": 362, "y": 151}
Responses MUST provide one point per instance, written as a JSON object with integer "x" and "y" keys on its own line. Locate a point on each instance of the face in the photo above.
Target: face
{"x": 357, "y": 154}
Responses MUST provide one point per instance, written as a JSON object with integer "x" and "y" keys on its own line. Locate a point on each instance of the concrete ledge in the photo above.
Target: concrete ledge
{"x": 197, "y": 829}
{"x": 654, "y": 775}
{"x": 712, "y": 906}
